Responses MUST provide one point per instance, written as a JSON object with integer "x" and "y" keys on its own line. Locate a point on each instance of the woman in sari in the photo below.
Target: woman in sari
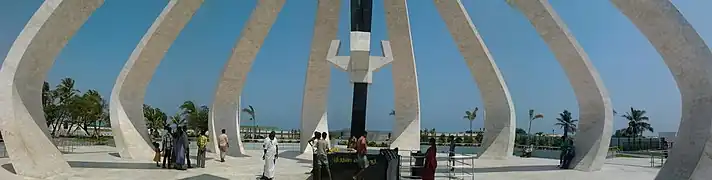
{"x": 179, "y": 148}
{"x": 431, "y": 163}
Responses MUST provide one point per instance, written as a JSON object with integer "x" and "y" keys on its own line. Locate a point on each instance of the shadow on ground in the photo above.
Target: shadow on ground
{"x": 516, "y": 169}
{"x": 293, "y": 156}
{"x": 112, "y": 165}
{"x": 9, "y": 168}
{"x": 205, "y": 177}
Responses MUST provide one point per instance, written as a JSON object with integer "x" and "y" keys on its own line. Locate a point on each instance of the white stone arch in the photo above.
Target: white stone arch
{"x": 690, "y": 61}
{"x": 316, "y": 85}
{"x": 127, "y": 97}
{"x": 23, "y": 72}
{"x": 232, "y": 80}
{"x": 500, "y": 121}
{"x": 595, "y": 125}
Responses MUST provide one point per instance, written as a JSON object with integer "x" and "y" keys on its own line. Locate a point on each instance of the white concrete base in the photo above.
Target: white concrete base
{"x": 127, "y": 121}
{"x": 232, "y": 79}
{"x": 595, "y": 112}
{"x": 406, "y": 130}
{"x": 316, "y": 86}
{"x": 690, "y": 61}
{"x": 500, "y": 121}
{"x": 23, "y": 73}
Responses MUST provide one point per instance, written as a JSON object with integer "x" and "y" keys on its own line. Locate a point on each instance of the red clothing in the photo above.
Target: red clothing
{"x": 431, "y": 163}
{"x": 362, "y": 145}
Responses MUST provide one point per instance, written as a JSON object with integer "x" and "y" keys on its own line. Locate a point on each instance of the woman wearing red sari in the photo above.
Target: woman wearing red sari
{"x": 431, "y": 163}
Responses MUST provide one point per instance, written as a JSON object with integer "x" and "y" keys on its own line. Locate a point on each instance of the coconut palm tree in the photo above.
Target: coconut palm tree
{"x": 637, "y": 122}
{"x": 178, "y": 120}
{"x": 155, "y": 118}
{"x": 64, "y": 92}
{"x": 470, "y": 116}
{"x": 251, "y": 111}
{"x": 197, "y": 117}
{"x": 566, "y": 122}
{"x": 532, "y": 117}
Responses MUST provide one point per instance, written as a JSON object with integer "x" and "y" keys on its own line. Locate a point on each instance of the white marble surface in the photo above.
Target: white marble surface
{"x": 234, "y": 74}
{"x": 406, "y": 128}
{"x": 23, "y": 72}
{"x": 499, "y": 121}
{"x": 318, "y": 77}
{"x": 127, "y": 96}
{"x": 690, "y": 61}
{"x": 595, "y": 125}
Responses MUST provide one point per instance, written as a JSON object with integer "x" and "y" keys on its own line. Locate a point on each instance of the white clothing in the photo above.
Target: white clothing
{"x": 270, "y": 157}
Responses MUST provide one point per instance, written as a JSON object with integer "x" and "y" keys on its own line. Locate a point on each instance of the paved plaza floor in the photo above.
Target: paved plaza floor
{"x": 101, "y": 162}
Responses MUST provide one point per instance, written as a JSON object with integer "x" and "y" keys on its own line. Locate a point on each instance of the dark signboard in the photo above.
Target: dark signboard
{"x": 344, "y": 166}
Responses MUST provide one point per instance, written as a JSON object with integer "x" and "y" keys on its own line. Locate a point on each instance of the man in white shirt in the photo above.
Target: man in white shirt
{"x": 224, "y": 145}
{"x": 270, "y": 155}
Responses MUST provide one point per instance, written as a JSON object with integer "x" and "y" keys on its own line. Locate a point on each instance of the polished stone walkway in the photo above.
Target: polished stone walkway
{"x": 100, "y": 162}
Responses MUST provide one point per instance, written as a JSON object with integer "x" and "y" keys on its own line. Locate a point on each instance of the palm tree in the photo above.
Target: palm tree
{"x": 566, "y": 122}
{"x": 64, "y": 92}
{"x": 532, "y": 117}
{"x": 155, "y": 118}
{"x": 177, "y": 120}
{"x": 471, "y": 115}
{"x": 196, "y": 117}
{"x": 637, "y": 122}
{"x": 251, "y": 111}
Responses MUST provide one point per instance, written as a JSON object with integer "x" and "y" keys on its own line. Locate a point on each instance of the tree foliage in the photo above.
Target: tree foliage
{"x": 65, "y": 107}
{"x": 637, "y": 122}
{"x": 566, "y": 122}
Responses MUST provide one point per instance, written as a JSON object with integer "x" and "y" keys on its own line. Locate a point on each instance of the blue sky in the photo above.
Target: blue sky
{"x": 633, "y": 72}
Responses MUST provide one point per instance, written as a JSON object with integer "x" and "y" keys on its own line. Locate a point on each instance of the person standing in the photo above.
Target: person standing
{"x": 157, "y": 153}
{"x": 167, "y": 148}
{"x": 322, "y": 160}
{"x": 223, "y": 145}
{"x": 202, "y": 141}
{"x": 313, "y": 146}
{"x": 451, "y": 153}
{"x": 180, "y": 147}
{"x": 270, "y": 156}
{"x": 431, "y": 163}
{"x": 361, "y": 150}
{"x": 186, "y": 143}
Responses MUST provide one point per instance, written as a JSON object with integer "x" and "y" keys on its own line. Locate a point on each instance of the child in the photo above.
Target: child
{"x": 157, "y": 156}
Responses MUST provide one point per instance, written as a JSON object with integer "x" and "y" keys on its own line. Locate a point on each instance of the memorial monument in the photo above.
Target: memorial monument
{"x": 128, "y": 124}
{"x": 32, "y": 153}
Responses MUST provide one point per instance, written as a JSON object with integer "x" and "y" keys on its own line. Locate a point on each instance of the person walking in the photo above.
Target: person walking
{"x": 361, "y": 150}
{"x": 186, "y": 143}
{"x": 223, "y": 145}
{"x": 431, "y": 163}
{"x": 202, "y": 141}
{"x": 322, "y": 160}
{"x": 451, "y": 153}
{"x": 167, "y": 148}
{"x": 270, "y": 156}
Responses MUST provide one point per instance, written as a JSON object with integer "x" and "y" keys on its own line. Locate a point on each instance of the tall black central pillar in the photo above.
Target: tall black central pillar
{"x": 361, "y": 22}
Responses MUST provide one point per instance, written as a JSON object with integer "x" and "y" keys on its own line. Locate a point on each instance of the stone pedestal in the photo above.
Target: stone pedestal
{"x": 232, "y": 79}
{"x": 23, "y": 73}
{"x": 126, "y": 105}
{"x": 690, "y": 61}
{"x": 595, "y": 113}
{"x": 500, "y": 121}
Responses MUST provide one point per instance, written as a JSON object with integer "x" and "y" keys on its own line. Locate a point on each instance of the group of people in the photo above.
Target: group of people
{"x": 174, "y": 149}
{"x": 320, "y": 144}
{"x": 567, "y": 153}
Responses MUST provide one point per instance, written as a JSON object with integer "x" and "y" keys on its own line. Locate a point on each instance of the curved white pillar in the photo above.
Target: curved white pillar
{"x": 500, "y": 121}
{"x": 127, "y": 97}
{"x": 690, "y": 61}
{"x": 23, "y": 72}
{"x": 316, "y": 86}
{"x": 406, "y": 130}
{"x": 235, "y": 71}
{"x": 595, "y": 113}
